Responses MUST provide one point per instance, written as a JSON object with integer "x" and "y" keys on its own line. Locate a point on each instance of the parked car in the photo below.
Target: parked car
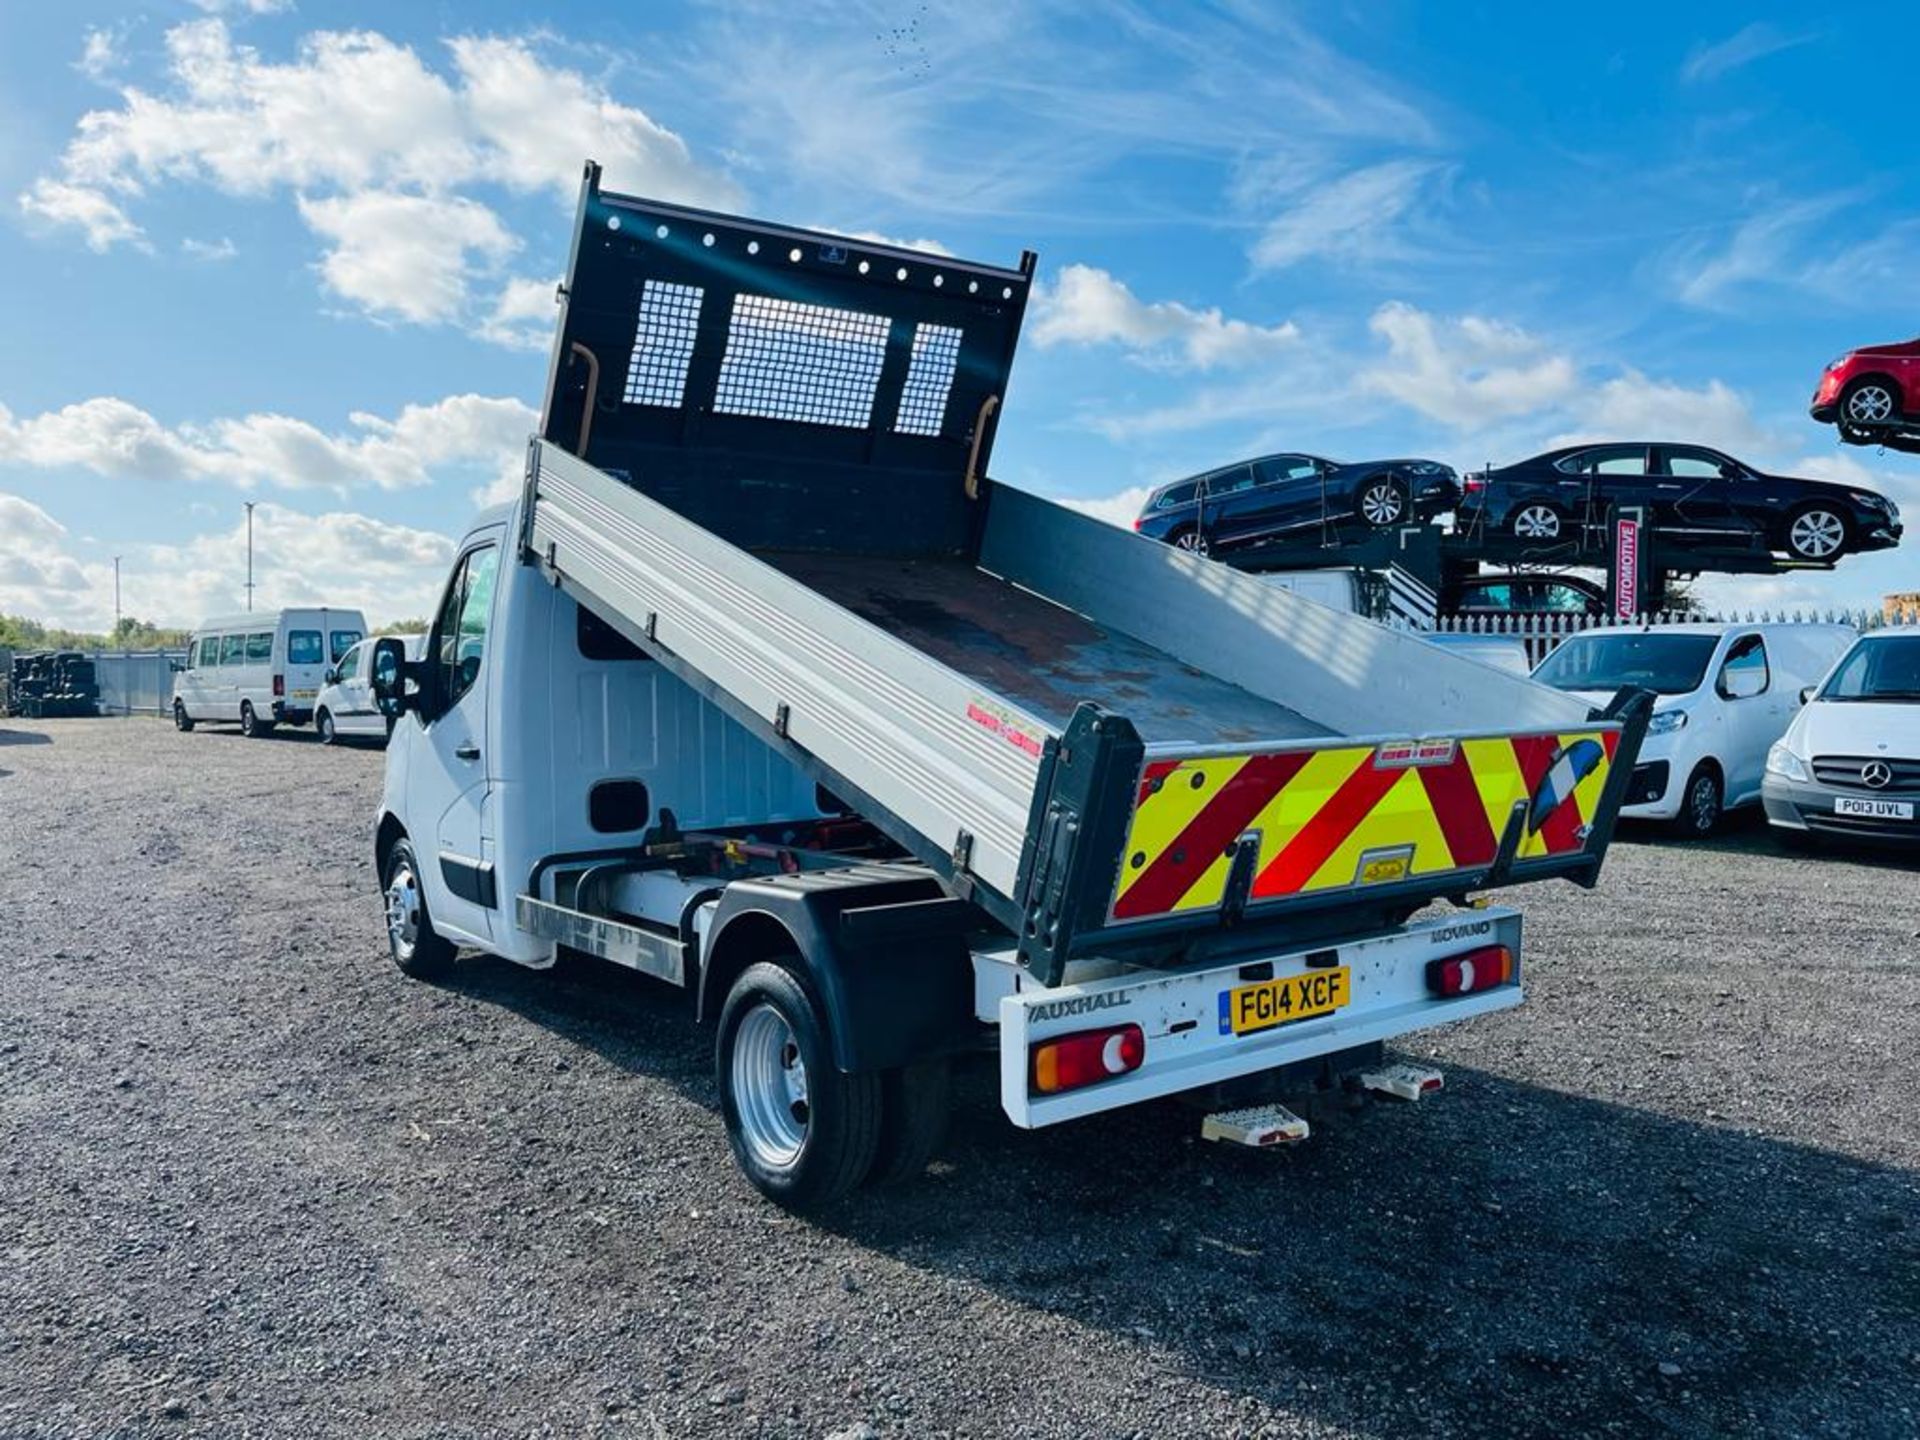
{"x": 345, "y": 707}
{"x": 1850, "y": 762}
{"x": 1723, "y": 695}
{"x": 1529, "y": 594}
{"x": 261, "y": 669}
{"x": 1871, "y": 393}
{"x": 1692, "y": 496}
{"x": 1254, "y": 502}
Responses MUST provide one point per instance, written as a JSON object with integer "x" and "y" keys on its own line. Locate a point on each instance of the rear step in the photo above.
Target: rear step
{"x": 1258, "y": 1125}
{"x": 1407, "y": 1082}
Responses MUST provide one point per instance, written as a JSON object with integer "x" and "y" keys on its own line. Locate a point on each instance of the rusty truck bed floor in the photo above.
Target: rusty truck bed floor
{"x": 1042, "y": 657}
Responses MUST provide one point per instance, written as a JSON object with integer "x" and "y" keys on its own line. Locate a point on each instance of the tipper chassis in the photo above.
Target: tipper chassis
{"x": 1139, "y": 822}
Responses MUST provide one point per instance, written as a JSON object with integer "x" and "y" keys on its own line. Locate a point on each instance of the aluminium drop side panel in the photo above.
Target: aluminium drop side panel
{"x": 1347, "y": 673}
{"x": 900, "y": 728}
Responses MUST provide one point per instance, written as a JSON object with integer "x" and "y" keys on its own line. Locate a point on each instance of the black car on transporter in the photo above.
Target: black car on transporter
{"x": 1278, "y": 497}
{"x": 1693, "y": 496}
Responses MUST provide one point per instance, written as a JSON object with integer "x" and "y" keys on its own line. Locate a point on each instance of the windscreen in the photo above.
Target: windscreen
{"x": 1887, "y": 671}
{"x": 1665, "y": 664}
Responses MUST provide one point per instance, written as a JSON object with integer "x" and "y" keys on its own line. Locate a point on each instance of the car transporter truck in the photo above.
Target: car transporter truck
{"x": 762, "y": 687}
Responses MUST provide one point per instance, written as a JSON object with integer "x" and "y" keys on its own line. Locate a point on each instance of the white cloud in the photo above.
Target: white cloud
{"x": 212, "y": 251}
{"x": 1353, "y": 217}
{"x": 1087, "y": 306}
{"x": 376, "y": 145}
{"x": 1760, "y": 250}
{"x": 112, "y": 437}
{"x": 522, "y": 317}
{"x": 96, "y": 216}
{"x": 403, "y": 256}
{"x": 1743, "y": 47}
{"x": 246, "y": 7}
{"x": 1465, "y": 372}
{"x": 34, "y": 568}
{"x": 99, "y": 54}
{"x": 1630, "y": 406}
{"x": 1121, "y": 509}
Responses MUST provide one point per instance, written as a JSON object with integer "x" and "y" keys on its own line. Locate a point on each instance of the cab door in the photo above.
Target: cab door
{"x": 1756, "y": 714}
{"x": 447, "y": 777}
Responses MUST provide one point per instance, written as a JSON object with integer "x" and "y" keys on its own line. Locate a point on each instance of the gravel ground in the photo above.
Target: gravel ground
{"x": 254, "y": 1182}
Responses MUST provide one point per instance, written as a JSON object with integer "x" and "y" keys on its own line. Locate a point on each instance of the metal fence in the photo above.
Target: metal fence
{"x": 1541, "y": 634}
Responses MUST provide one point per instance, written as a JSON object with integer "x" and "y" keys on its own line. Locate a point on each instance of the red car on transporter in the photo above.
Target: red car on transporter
{"x": 1872, "y": 394}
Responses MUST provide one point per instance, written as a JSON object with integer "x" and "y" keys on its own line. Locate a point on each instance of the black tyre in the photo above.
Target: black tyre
{"x": 323, "y": 722}
{"x": 1700, "y": 805}
{"x": 1382, "y": 502}
{"x": 251, "y": 725}
{"x": 1870, "y": 403}
{"x": 1192, "y": 541}
{"x": 1537, "y": 521}
{"x": 1818, "y": 531}
{"x": 417, "y": 948}
{"x": 182, "y": 721}
{"x": 803, "y": 1132}
{"x": 916, "y": 1103}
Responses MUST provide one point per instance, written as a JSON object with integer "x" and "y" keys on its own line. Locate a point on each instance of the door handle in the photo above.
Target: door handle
{"x": 466, "y": 750}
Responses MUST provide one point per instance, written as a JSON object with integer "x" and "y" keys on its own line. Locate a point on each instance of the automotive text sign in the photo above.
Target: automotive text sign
{"x": 1626, "y": 568}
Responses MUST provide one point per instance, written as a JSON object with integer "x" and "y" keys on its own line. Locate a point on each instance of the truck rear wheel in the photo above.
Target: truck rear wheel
{"x": 916, "y": 1102}
{"x": 803, "y": 1132}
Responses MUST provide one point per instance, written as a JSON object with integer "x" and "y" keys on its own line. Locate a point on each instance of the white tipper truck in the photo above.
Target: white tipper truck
{"x": 762, "y": 687}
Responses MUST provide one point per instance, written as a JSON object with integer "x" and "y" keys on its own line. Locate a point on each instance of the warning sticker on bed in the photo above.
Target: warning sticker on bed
{"x": 1000, "y": 721}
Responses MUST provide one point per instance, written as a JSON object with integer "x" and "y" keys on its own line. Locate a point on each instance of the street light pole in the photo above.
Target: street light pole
{"x": 249, "y": 556}
{"x": 116, "y": 597}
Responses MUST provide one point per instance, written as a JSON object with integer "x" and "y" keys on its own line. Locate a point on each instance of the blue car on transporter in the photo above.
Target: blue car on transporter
{"x": 1273, "y": 498}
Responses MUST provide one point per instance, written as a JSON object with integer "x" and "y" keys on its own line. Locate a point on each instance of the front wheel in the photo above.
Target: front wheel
{"x": 1700, "y": 805}
{"x": 1869, "y": 405}
{"x": 1383, "y": 502}
{"x": 323, "y": 722}
{"x": 417, "y": 948}
{"x": 802, "y": 1131}
{"x": 182, "y": 721}
{"x": 1816, "y": 532}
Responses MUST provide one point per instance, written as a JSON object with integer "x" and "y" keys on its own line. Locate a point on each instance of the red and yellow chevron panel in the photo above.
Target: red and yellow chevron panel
{"x": 1353, "y": 814}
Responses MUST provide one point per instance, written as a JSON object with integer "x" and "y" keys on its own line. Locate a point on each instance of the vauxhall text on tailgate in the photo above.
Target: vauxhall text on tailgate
{"x": 764, "y": 687}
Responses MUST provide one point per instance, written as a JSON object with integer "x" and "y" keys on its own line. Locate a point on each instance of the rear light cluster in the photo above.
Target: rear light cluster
{"x": 1468, "y": 974}
{"x": 1471, "y": 483}
{"x": 279, "y": 687}
{"x": 1066, "y": 1062}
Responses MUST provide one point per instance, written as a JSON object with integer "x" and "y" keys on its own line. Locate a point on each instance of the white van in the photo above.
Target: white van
{"x": 1723, "y": 695}
{"x": 1849, "y": 765}
{"x": 345, "y": 707}
{"x": 262, "y": 669}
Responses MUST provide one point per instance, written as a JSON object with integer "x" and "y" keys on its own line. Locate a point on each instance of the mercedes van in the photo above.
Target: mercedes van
{"x": 263, "y": 668}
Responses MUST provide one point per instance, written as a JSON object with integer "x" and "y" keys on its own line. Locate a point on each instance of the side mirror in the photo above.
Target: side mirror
{"x": 1741, "y": 684}
{"x": 395, "y": 682}
{"x": 332, "y": 677}
{"x": 1807, "y": 693}
{"x": 178, "y": 667}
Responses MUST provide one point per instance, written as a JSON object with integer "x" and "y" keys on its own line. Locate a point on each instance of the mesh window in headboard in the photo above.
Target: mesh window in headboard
{"x": 790, "y": 361}
{"x": 923, "y": 400}
{"x": 663, "y": 343}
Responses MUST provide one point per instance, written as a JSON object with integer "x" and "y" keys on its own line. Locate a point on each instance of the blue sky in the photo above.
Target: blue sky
{"x": 303, "y": 254}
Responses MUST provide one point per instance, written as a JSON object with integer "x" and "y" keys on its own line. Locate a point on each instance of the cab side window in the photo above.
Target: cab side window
{"x": 1745, "y": 673}
{"x": 350, "y": 662}
{"x": 460, "y": 632}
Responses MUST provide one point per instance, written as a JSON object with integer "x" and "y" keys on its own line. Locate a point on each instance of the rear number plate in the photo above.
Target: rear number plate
{"x": 1279, "y": 1002}
{"x": 1873, "y": 809}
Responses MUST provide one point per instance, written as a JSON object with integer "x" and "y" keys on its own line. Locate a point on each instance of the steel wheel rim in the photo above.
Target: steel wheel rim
{"x": 1870, "y": 404}
{"x": 770, "y": 1087}
{"x": 326, "y": 727}
{"x": 1191, "y": 541}
{"x": 1817, "y": 534}
{"x": 403, "y": 911}
{"x": 1380, "y": 504}
{"x": 1704, "y": 804}
{"x": 1537, "y": 522}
